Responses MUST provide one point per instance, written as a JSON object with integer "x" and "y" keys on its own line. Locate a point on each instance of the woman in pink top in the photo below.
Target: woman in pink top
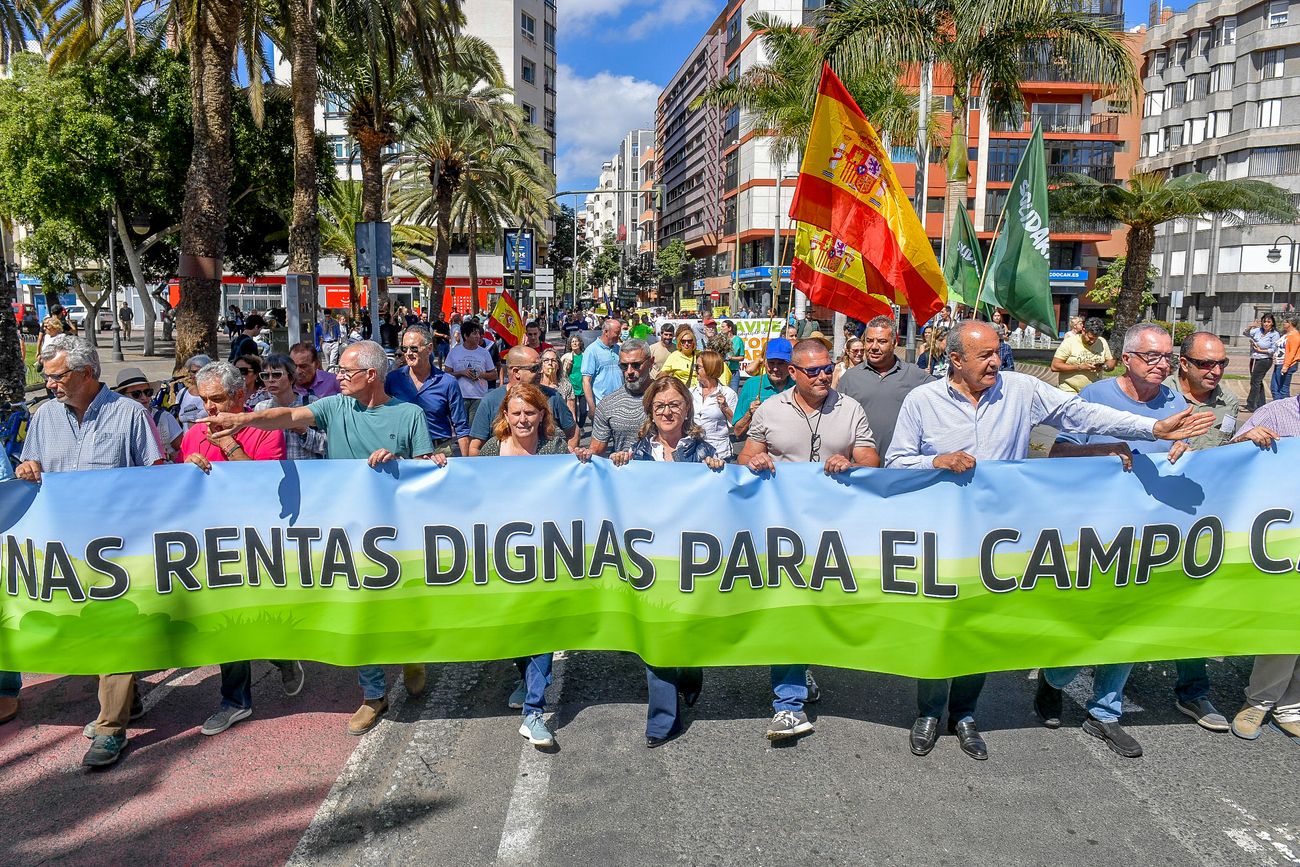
{"x": 223, "y": 389}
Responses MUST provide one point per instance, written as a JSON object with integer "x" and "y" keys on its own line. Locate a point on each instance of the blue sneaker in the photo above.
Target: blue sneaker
{"x": 104, "y": 751}
{"x": 536, "y": 731}
{"x": 516, "y": 700}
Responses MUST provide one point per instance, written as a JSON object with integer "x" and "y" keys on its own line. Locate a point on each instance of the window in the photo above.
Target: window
{"x": 550, "y": 121}
{"x": 1271, "y": 63}
{"x": 1153, "y": 103}
{"x": 1275, "y": 161}
{"x": 549, "y": 35}
{"x": 339, "y": 148}
{"x": 1204, "y": 41}
{"x": 1151, "y": 144}
{"x": 550, "y": 80}
{"x": 1161, "y": 61}
{"x": 1277, "y": 12}
{"x": 528, "y": 71}
{"x": 1176, "y": 94}
{"x": 1270, "y": 113}
{"x": 1217, "y": 123}
{"x": 1221, "y": 77}
{"x": 934, "y": 204}
{"x": 1197, "y": 130}
{"x": 1198, "y": 85}
{"x": 1228, "y": 30}
{"x": 530, "y": 113}
{"x": 528, "y": 26}
{"x": 1180, "y": 52}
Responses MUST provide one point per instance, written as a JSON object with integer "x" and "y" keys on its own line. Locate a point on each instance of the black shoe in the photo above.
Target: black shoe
{"x": 925, "y": 734}
{"x": 1047, "y": 703}
{"x": 1115, "y": 737}
{"x": 651, "y": 743}
{"x": 691, "y": 683}
{"x": 968, "y": 738}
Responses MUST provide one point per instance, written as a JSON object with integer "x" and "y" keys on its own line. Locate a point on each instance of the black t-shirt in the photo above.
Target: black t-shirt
{"x": 441, "y": 330}
{"x": 389, "y": 335}
{"x": 243, "y": 345}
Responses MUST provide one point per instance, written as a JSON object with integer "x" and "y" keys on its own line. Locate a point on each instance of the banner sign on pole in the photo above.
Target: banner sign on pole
{"x": 910, "y": 572}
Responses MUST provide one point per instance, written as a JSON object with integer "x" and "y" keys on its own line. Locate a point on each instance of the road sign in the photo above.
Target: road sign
{"x": 376, "y": 262}
{"x": 518, "y": 249}
{"x": 544, "y": 293}
{"x": 715, "y": 294}
{"x": 544, "y": 278}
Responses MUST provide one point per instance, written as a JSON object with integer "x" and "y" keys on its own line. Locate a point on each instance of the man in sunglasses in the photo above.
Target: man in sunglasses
{"x": 810, "y": 423}
{"x": 523, "y": 365}
{"x": 774, "y": 380}
{"x": 433, "y": 391}
{"x": 616, "y": 423}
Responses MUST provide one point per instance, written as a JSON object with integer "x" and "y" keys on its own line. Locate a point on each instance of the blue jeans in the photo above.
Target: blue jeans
{"x": 790, "y": 687}
{"x": 1282, "y": 381}
{"x": 960, "y": 695}
{"x": 237, "y": 682}
{"x": 536, "y": 672}
{"x": 1107, "y": 702}
{"x": 374, "y": 684}
{"x": 11, "y": 682}
{"x": 1193, "y": 680}
{"x": 663, "y": 704}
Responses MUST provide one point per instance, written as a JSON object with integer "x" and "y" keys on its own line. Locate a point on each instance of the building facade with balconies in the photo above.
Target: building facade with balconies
{"x": 1222, "y": 97}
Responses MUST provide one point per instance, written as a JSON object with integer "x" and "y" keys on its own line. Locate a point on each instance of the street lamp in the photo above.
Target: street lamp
{"x": 112, "y": 296}
{"x": 1275, "y": 255}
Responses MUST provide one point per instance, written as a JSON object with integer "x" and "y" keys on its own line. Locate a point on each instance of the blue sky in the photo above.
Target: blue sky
{"x": 615, "y": 57}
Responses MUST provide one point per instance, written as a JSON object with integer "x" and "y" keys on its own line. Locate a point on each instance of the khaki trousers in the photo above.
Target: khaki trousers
{"x": 1275, "y": 683}
{"x": 116, "y": 692}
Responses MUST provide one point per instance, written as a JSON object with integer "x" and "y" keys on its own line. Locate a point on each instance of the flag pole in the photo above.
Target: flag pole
{"x": 985, "y": 272}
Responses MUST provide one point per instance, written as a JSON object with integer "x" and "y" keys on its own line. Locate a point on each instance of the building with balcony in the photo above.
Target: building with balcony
{"x": 616, "y": 215}
{"x": 1222, "y": 97}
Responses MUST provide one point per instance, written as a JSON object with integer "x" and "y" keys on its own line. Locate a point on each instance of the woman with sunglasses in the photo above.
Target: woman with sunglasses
{"x": 250, "y": 367}
{"x": 669, "y": 434}
{"x": 681, "y": 361}
{"x": 132, "y": 383}
{"x": 571, "y": 367}
{"x": 854, "y": 351}
{"x": 302, "y": 443}
{"x": 551, "y": 377}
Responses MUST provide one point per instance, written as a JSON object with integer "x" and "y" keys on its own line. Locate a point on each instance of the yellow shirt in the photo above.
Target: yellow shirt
{"x": 1074, "y": 351}
{"x": 683, "y": 367}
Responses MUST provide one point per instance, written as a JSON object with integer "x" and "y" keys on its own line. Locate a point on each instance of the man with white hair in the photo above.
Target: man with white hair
{"x": 88, "y": 426}
{"x": 363, "y": 423}
{"x": 977, "y": 413}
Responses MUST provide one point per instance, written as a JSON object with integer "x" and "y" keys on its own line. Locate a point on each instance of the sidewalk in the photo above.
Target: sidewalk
{"x": 158, "y": 366}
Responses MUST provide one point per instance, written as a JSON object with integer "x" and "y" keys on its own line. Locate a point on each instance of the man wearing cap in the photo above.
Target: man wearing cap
{"x": 757, "y": 389}
{"x": 882, "y": 380}
{"x": 131, "y": 382}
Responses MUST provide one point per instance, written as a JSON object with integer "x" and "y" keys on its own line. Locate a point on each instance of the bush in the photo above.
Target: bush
{"x": 1181, "y": 329}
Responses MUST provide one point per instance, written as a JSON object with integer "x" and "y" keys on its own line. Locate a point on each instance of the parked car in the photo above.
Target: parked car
{"x": 105, "y": 319}
{"x": 77, "y": 315}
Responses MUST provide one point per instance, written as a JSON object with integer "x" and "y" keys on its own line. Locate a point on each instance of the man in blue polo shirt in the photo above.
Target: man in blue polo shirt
{"x": 600, "y": 372}
{"x": 757, "y": 389}
{"x": 432, "y": 390}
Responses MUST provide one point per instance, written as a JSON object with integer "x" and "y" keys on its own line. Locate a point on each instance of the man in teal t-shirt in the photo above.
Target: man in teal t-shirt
{"x": 759, "y": 388}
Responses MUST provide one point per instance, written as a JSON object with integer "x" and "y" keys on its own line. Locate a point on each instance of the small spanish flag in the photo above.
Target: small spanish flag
{"x": 832, "y": 274}
{"x": 847, "y": 187}
{"x": 506, "y": 320}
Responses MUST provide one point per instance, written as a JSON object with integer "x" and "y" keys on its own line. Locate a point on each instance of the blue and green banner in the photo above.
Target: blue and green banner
{"x": 918, "y": 573}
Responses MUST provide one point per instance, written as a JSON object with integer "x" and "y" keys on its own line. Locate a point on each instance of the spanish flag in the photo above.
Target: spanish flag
{"x": 847, "y": 187}
{"x": 833, "y": 274}
{"x": 506, "y": 320}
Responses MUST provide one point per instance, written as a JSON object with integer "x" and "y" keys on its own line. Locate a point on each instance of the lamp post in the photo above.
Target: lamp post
{"x": 112, "y": 295}
{"x": 1275, "y": 255}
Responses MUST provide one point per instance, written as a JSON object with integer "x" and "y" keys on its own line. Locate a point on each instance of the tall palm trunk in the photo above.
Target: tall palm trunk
{"x": 372, "y": 145}
{"x": 473, "y": 262}
{"x": 207, "y": 184}
{"x": 1137, "y": 259}
{"x": 444, "y": 189}
{"x": 13, "y": 373}
{"x": 304, "y": 231}
{"x": 958, "y": 175}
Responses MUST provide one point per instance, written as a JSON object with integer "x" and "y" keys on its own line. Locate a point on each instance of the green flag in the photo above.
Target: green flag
{"x": 963, "y": 264}
{"x": 1017, "y": 274}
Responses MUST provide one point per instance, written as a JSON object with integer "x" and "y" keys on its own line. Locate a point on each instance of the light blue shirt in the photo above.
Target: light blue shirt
{"x": 1108, "y": 393}
{"x": 600, "y": 362}
{"x": 936, "y": 419}
{"x": 1266, "y": 339}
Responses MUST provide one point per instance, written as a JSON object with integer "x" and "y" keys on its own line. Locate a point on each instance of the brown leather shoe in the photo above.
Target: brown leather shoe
{"x": 414, "y": 675}
{"x": 8, "y": 707}
{"x": 367, "y": 716}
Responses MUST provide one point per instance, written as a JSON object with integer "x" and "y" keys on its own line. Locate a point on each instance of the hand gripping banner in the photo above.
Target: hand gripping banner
{"x": 918, "y": 573}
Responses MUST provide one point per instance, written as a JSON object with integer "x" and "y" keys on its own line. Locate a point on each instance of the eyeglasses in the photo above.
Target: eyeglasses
{"x": 349, "y": 372}
{"x": 139, "y": 393}
{"x": 412, "y": 350}
{"x": 244, "y": 370}
{"x": 624, "y": 365}
{"x": 1151, "y": 359}
{"x": 535, "y": 368}
{"x": 1207, "y": 363}
{"x": 270, "y": 375}
{"x": 671, "y": 406}
{"x": 814, "y": 372}
{"x": 58, "y": 377}
{"x": 815, "y": 447}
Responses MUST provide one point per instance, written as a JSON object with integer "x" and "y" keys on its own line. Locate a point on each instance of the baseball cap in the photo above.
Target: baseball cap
{"x": 778, "y": 348}
{"x": 708, "y": 323}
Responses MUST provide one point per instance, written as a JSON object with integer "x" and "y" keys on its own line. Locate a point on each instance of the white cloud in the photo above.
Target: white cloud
{"x": 592, "y": 116}
{"x": 587, "y": 16}
{"x": 578, "y": 16}
{"x": 670, "y": 12}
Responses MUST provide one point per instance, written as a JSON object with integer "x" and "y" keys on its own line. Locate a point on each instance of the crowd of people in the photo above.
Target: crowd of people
{"x": 668, "y": 399}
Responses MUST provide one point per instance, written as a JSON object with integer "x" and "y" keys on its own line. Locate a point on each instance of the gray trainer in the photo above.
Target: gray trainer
{"x": 224, "y": 719}
{"x": 292, "y": 677}
{"x": 1207, "y": 716}
{"x": 788, "y": 724}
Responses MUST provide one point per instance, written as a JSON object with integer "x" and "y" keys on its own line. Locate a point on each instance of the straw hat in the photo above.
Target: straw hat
{"x": 822, "y": 339}
{"x": 129, "y": 376}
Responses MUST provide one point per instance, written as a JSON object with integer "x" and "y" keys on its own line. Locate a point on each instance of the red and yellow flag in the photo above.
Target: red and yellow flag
{"x": 833, "y": 274}
{"x": 506, "y": 320}
{"x": 848, "y": 188}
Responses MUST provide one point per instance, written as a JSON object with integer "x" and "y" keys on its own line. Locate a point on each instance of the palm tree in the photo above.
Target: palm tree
{"x": 296, "y": 36}
{"x": 979, "y": 45}
{"x": 779, "y": 95}
{"x": 1148, "y": 199}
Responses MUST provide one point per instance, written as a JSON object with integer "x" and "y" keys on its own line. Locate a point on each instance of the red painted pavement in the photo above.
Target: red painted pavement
{"x": 176, "y": 797}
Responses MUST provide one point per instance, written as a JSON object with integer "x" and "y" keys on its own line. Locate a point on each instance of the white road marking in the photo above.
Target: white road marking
{"x": 527, "y": 806}
{"x": 1260, "y": 839}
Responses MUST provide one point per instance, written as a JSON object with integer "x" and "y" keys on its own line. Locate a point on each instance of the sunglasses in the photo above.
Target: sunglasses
{"x": 412, "y": 350}
{"x": 814, "y": 372}
{"x": 624, "y": 365}
{"x": 244, "y": 370}
{"x": 535, "y": 368}
{"x": 139, "y": 393}
{"x": 269, "y": 375}
{"x": 1207, "y": 363}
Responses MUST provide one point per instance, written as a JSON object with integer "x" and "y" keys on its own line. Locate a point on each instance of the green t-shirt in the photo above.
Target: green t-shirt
{"x": 357, "y": 432}
{"x": 641, "y": 331}
{"x": 757, "y": 388}
{"x": 737, "y": 348}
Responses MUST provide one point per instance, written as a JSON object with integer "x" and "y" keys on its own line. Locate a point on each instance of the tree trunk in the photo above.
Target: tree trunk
{"x": 958, "y": 174}
{"x": 1137, "y": 259}
{"x": 442, "y": 192}
{"x": 137, "y": 277}
{"x": 13, "y": 364}
{"x": 91, "y": 329}
{"x": 372, "y": 196}
{"x": 473, "y": 262}
{"x": 207, "y": 184}
{"x": 304, "y": 230}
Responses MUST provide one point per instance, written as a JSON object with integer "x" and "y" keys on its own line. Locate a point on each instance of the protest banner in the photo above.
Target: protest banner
{"x": 754, "y": 332}
{"x": 919, "y": 573}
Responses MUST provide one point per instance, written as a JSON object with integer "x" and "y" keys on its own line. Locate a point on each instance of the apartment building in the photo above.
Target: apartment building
{"x": 1222, "y": 97}
{"x": 615, "y": 215}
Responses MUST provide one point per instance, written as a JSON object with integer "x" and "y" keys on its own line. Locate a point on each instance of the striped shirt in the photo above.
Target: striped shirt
{"x": 1282, "y": 417}
{"x": 936, "y": 419}
{"x": 115, "y": 431}
{"x": 299, "y": 446}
